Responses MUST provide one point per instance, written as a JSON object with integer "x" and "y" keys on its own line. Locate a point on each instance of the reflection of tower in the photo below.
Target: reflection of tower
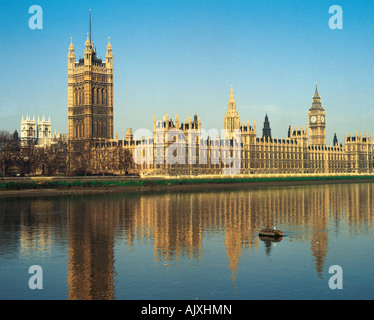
{"x": 35, "y": 233}
{"x": 319, "y": 215}
{"x": 233, "y": 249}
{"x": 176, "y": 230}
{"x": 237, "y": 227}
{"x": 91, "y": 256}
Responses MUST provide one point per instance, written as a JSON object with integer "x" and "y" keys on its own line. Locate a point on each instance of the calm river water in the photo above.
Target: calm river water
{"x": 191, "y": 245}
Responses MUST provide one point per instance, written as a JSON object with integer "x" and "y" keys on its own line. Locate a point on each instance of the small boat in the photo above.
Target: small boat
{"x": 267, "y": 232}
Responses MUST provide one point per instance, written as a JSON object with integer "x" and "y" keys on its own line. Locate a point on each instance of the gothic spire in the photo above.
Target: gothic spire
{"x": 231, "y": 104}
{"x": 316, "y": 94}
{"x": 231, "y": 99}
{"x": 88, "y": 42}
{"x": 109, "y": 46}
{"x": 90, "y": 26}
{"x": 316, "y": 100}
{"x": 266, "y": 131}
{"x": 71, "y": 47}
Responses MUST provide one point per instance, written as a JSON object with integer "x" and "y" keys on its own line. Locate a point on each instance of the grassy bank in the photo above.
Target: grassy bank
{"x": 102, "y": 183}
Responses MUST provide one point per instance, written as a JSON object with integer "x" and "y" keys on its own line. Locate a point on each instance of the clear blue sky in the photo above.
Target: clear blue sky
{"x": 181, "y": 56}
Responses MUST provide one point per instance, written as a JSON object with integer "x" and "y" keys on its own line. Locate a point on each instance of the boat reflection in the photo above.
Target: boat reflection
{"x": 270, "y": 239}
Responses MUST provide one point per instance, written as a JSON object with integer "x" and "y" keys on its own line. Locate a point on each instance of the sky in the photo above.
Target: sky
{"x": 180, "y": 57}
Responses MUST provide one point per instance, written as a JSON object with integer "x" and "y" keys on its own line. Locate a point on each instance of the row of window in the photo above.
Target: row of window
{"x": 99, "y": 96}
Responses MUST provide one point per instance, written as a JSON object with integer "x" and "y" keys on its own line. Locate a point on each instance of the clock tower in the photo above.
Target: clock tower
{"x": 317, "y": 122}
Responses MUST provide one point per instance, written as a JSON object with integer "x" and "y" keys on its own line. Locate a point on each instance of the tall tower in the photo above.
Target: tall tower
{"x": 232, "y": 119}
{"x": 44, "y": 131}
{"x": 266, "y": 131}
{"x": 28, "y": 131}
{"x": 90, "y": 94}
{"x": 44, "y": 128}
{"x": 317, "y": 122}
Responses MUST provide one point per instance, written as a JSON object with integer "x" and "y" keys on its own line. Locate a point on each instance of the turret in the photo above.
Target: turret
{"x": 232, "y": 103}
{"x": 88, "y": 52}
{"x": 71, "y": 55}
{"x": 109, "y": 55}
{"x": 266, "y": 131}
{"x": 232, "y": 119}
{"x": 176, "y": 121}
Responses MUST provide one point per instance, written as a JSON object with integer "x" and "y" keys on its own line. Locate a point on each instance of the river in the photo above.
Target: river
{"x": 191, "y": 245}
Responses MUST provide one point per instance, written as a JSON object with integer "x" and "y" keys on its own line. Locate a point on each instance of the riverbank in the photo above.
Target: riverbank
{"x": 67, "y": 186}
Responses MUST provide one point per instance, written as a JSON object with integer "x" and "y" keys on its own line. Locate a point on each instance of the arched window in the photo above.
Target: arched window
{"x": 93, "y": 96}
{"x": 81, "y": 101}
{"x": 98, "y": 96}
{"x": 99, "y": 129}
{"x": 104, "y": 97}
{"x": 94, "y": 129}
{"x": 103, "y": 128}
{"x": 76, "y": 133}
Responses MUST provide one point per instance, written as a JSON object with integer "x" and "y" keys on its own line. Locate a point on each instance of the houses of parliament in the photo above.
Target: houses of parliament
{"x": 180, "y": 148}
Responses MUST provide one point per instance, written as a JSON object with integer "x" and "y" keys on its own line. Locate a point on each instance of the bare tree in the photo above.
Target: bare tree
{"x": 9, "y": 147}
{"x": 125, "y": 160}
{"x": 26, "y": 160}
{"x": 80, "y": 158}
{"x": 52, "y": 159}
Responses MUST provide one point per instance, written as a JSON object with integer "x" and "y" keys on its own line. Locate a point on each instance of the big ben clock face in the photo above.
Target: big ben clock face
{"x": 313, "y": 119}
{"x": 322, "y": 119}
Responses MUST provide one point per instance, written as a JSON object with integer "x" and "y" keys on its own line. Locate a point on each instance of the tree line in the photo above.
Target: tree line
{"x": 59, "y": 159}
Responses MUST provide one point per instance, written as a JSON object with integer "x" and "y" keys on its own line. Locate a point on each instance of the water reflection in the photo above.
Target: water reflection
{"x": 175, "y": 224}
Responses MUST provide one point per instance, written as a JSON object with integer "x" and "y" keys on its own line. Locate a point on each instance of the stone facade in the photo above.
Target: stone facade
{"x": 303, "y": 151}
{"x": 28, "y": 131}
{"x": 90, "y": 95}
{"x": 185, "y": 148}
{"x": 38, "y": 133}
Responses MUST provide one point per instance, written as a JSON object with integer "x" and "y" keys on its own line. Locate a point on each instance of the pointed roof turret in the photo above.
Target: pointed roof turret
{"x": 232, "y": 119}
{"x": 88, "y": 43}
{"x": 231, "y": 99}
{"x": 316, "y": 104}
{"x": 109, "y": 46}
{"x": 316, "y": 94}
{"x": 266, "y": 131}
{"x": 71, "y": 47}
{"x": 232, "y": 104}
